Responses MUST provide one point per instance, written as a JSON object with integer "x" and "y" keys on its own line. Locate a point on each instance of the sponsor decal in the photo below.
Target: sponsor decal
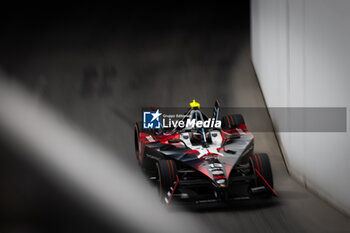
{"x": 210, "y": 123}
{"x": 217, "y": 172}
{"x": 157, "y": 120}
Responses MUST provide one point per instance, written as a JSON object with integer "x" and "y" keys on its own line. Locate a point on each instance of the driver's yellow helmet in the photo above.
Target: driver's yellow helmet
{"x": 195, "y": 105}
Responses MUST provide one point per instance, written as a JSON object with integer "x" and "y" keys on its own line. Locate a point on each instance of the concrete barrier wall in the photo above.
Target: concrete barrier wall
{"x": 301, "y": 54}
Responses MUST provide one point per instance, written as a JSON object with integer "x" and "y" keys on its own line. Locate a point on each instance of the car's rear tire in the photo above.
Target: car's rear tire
{"x": 166, "y": 176}
{"x": 261, "y": 162}
{"x": 232, "y": 121}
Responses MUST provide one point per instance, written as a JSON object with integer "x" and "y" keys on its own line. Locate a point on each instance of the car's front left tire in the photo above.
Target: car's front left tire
{"x": 167, "y": 176}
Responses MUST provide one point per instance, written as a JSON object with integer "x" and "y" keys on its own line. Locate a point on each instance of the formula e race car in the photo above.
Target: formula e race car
{"x": 193, "y": 163}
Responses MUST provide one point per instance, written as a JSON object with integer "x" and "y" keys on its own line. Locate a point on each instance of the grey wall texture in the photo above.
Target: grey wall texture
{"x": 301, "y": 54}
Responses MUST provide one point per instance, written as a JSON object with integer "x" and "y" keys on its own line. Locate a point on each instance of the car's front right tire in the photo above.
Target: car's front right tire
{"x": 261, "y": 162}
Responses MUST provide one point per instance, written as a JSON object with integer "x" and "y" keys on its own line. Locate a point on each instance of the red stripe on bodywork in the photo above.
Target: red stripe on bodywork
{"x": 196, "y": 152}
{"x": 210, "y": 153}
{"x": 228, "y": 169}
{"x": 221, "y": 149}
{"x": 234, "y": 131}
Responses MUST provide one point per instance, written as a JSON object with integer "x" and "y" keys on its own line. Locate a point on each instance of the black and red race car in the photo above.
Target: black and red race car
{"x": 197, "y": 164}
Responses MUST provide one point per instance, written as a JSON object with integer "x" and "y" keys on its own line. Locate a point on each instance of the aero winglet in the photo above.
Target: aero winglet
{"x": 172, "y": 193}
{"x": 263, "y": 179}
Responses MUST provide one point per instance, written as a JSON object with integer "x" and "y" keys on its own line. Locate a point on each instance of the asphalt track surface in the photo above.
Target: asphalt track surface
{"x": 99, "y": 74}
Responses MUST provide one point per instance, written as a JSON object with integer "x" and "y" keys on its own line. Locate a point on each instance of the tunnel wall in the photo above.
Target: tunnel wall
{"x": 301, "y": 54}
